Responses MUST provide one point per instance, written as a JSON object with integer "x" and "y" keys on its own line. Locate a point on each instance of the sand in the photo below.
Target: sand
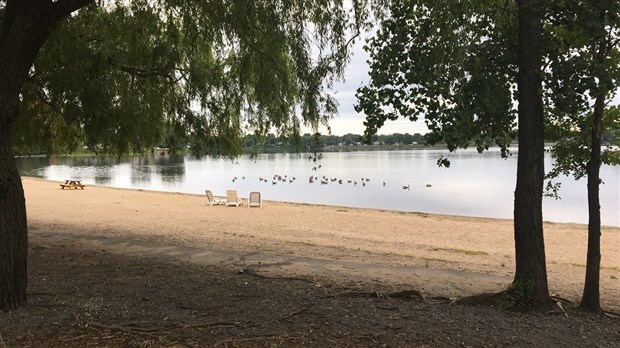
{"x": 439, "y": 255}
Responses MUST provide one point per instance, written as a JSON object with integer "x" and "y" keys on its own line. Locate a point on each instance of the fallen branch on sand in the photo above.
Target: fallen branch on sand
{"x": 253, "y": 273}
{"x": 403, "y": 295}
{"x": 131, "y": 328}
{"x": 295, "y": 313}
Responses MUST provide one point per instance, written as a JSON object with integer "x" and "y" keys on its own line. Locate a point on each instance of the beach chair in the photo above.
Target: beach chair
{"x": 255, "y": 200}
{"x": 211, "y": 200}
{"x": 232, "y": 199}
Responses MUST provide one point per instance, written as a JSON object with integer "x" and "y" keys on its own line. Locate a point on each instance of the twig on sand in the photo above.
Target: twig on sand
{"x": 219, "y": 323}
{"x": 70, "y": 338}
{"x": 250, "y": 339}
{"x": 559, "y": 304}
{"x": 253, "y": 273}
{"x": 357, "y": 294}
{"x": 409, "y": 295}
{"x": 403, "y": 295}
{"x": 135, "y": 329}
{"x": 127, "y": 330}
{"x": 558, "y": 298}
{"x": 295, "y": 313}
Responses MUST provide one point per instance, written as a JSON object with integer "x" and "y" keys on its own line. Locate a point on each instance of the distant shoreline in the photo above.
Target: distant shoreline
{"x": 280, "y": 149}
{"x": 271, "y": 150}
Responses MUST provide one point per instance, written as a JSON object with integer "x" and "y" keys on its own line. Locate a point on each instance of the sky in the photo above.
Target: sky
{"x": 349, "y": 121}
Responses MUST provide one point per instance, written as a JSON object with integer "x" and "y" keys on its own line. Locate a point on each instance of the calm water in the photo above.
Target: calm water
{"x": 475, "y": 185}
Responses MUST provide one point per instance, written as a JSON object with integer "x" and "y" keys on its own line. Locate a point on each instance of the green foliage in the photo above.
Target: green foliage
{"x": 459, "y": 73}
{"x": 571, "y": 152}
{"x": 584, "y": 64}
{"x": 451, "y": 62}
{"x": 519, "y": 295}
{"x": 126, "y": 76}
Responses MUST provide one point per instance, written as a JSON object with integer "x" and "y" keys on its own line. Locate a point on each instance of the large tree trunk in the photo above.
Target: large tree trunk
{"x": 531, "y": 271}
{"x": 25, "y": 27}
{"x": 13, "y": 231}
{"x": 591, "y": 293}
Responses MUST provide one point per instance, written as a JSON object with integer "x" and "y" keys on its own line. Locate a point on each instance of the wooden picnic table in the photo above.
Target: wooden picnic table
{"x": 72, "y": 183}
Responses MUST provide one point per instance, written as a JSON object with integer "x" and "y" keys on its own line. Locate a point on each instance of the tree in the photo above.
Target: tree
{"x": 122, "y": 76}
{"x": 456, "y": 63}
{"x": 531, "y": 268}
{"x": 584, "y": 67}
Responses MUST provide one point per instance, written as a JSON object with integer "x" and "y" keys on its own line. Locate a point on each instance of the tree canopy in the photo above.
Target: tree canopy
{"x": 584, "y": 62}
{"x": 452, "y": 63}
{"x": 123, "y": 77}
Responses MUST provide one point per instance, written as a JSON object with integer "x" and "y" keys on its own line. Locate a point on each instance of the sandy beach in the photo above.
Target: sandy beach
{"x": 437, "y": 254}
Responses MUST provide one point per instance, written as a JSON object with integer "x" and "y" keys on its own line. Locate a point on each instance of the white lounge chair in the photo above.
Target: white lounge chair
{"x": 211, "y": 200}
{"x": 232, "y": 198}
{"x": 255, "y": 200}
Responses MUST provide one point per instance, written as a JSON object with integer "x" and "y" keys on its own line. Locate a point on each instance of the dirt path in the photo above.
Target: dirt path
{"x": 349, "y": 272}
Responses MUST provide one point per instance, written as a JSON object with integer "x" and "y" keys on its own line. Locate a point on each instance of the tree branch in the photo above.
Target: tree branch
{"x": 63, "y": 8}
{"x": 146, "y": 72}
{"x": 39, "y": 92}
{"x": 255, "y": 48}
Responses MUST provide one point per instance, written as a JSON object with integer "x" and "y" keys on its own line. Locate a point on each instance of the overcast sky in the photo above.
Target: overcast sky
{"x": 349, "y": 121}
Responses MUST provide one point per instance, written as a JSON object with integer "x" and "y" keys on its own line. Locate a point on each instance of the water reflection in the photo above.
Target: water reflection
{"x": 475, "y": 185}
{"x": 135, "y": 171}
{"x": 156, "y": 168}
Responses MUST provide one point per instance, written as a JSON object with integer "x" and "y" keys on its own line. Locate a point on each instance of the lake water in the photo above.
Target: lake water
{"x": 474, "y": 185}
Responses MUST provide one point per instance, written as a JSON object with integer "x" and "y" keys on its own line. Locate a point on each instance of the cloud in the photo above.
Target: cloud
{"x": 348, "y": 120}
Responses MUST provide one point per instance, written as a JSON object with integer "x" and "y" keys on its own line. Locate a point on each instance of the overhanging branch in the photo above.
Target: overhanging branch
{"x": 146, "y": 72}
{"x": 63, "y": 8}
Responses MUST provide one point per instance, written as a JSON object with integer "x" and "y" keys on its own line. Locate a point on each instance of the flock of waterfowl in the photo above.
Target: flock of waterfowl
{"x": 323, "y": 180}
{"x": 278, "y": 178}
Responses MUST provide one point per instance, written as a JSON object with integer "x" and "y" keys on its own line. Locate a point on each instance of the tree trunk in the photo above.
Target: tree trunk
{"x": 531, "y": 271}
{"x": 591, "y": 295}
{"x": 25, "y": 27}
{"x": 13, "y": 230}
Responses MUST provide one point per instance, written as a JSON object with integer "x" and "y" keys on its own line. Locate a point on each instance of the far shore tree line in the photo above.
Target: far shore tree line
{"x": 319, "y": 141}
{"x": 121, "y": 76}
{"x": 307, "y": 142}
